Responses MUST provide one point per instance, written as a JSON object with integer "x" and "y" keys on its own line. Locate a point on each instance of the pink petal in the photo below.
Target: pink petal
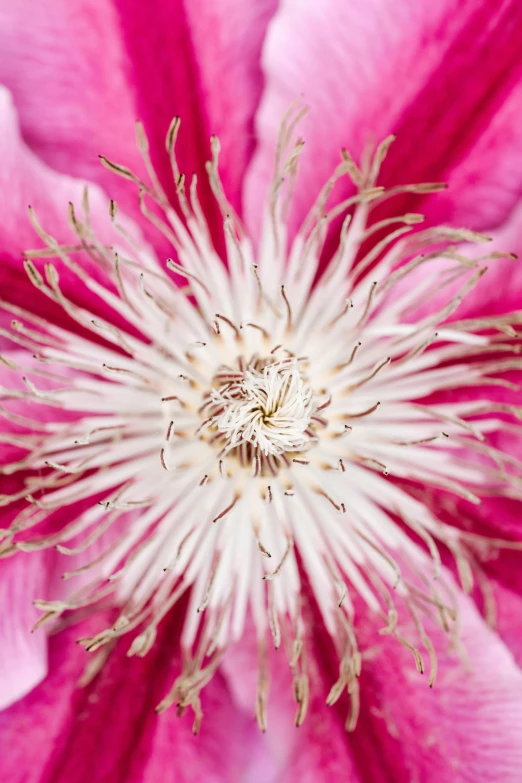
{"x": 443, "y": 76}
{"x": 67, "y": 69}
{"x": 501, "y": 289}
{"x": 463, "y": 730}
{"x": 496, "y": 524}
{"x": 23, "y": 662}
{"x": 508, "y": 620}
{"x": 499, "y": 520}
{"x": 484, "y": 186}
{"x": 24, "y": 181}
{"x": 198, "y": 60}
{"x": 297, "y": 754}
{"x": 498, "y": 293}
{"x": 318, "y": 749}
{"x": 445, "y": 733}
{"x": 241, "y": 668}
{"x": 108, "y": 730}
{"x": 28, "y": 576}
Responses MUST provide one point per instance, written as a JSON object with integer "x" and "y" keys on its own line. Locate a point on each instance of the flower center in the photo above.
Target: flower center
{"x": 268, "y": 404}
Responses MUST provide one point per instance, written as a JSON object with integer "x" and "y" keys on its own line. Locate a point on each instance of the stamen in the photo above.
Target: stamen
{"x": 350, "y": 360}
{"x": 229, "y": 322}
{"x": 347, "y": 306}
{"x": 185, "y": 273}
{"x": 226, "y": 510}
{"x": 288, "y": 309}
{"x": 384, "y": 363}
{"x": 289, "y": 547}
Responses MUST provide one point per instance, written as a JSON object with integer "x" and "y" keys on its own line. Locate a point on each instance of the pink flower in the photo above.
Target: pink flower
{"x": 289, "y": 481}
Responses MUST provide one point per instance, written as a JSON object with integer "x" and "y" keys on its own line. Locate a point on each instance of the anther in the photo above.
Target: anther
{"x": 174, "y": 398}
{"x": 232, "y": 325}
{"x": 226, "y": 510}
{"x": 338, "y": 506}
{"x": 366, "y": 311}
{"x": 347, "y": 306}
{"x": 376, "y": 463}
{"x": 352, "y": 357}
{"x": 361, "y": 414}
{"x": 289, "y": 547}
{"x": 256, "y": 326}
{"x": 163, "y": 461}
{"x": 288, "y": 309}
{"x": 184, "y": 273}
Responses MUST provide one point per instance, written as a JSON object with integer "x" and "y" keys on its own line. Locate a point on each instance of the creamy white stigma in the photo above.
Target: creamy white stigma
{"x": 270, "y": 408}
{"x": 237, "y": 440}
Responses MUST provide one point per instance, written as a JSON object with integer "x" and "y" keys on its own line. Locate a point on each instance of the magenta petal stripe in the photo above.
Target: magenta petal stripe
{"x": 372, "y": 68}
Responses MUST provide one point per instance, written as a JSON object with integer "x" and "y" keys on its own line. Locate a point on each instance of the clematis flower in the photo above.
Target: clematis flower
{"x": 260, "y": 418}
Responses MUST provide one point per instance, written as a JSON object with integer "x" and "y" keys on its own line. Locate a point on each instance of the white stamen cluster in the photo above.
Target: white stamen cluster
{"x": 241, "y": 442}
{"x": 269, "y": 408}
